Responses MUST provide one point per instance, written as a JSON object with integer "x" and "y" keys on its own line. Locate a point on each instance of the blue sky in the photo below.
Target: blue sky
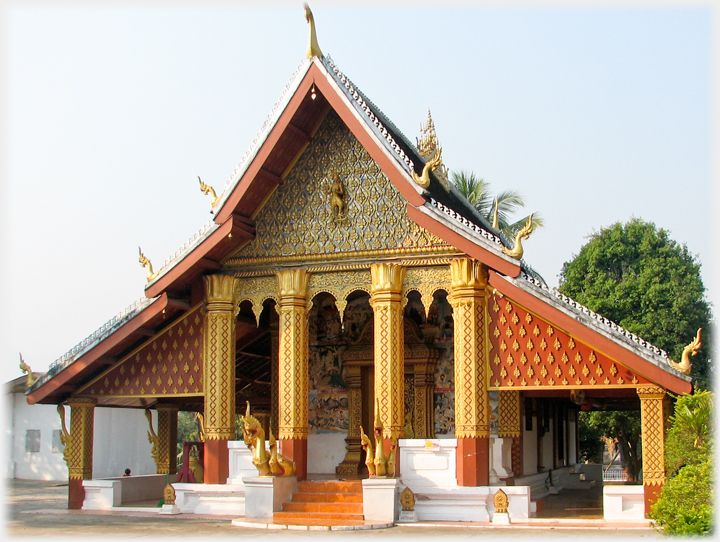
{"x": 110, "y": 113}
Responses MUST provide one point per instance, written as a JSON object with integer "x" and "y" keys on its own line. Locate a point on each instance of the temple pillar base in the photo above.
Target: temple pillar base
{"x": 652, "y": 493}
{"x": 216, "y": 464}
{"x": 76, "y": 494}
{"x": 296, "y": 450}
{"x": 473, "y": 461}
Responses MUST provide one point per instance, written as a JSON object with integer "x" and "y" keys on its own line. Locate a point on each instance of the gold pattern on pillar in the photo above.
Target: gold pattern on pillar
{"x": 510, "y": 425}
{"x": 219, "y": 357}
{"x": 166, "y": 457}
{"x": 274, "y": 410}
{"x": 293, "y": 354}
{"x": 468, "y": 300}
{"x": 653, "y": 434}
{"x": 385, "y": 299}
{"x": 78, "y": 442}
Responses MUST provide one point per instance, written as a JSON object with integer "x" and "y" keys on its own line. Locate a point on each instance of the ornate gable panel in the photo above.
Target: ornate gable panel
{"x": 168, "y": 364}
{"x": 528, "y": 352}
{"x": 309, "y": 214}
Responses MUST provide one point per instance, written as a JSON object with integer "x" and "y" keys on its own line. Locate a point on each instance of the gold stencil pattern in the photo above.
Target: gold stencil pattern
{"x": 219, "y": 358}
{"x": 173, "y": 356}
{"x": 653, "y": 434}
{"x": 471, "y": 365}
{"x": 298, "y": 219}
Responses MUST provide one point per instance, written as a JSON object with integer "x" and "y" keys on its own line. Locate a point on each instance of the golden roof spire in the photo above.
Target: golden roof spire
{"x": 431, "y": 151}
{"x": 313, "y": 47}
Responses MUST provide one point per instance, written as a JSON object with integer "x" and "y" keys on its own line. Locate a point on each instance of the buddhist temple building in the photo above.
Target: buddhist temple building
{"x": 345, "y": 283}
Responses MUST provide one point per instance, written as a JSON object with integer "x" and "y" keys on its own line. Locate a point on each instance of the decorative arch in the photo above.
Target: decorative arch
{"x": 339, "y": 285}
{"x": 257, "y": 290}
{"x": 425, "y": 281}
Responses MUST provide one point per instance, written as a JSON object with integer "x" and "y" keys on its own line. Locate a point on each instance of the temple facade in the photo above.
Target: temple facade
{"x": 344, "y": 284}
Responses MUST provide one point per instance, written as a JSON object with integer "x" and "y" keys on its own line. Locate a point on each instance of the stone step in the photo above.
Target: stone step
{"x": 331, "y": 507}
{"x": 316, "y": 516}
{"x": 328, "y": 497}
{"x": 330, "y": 486}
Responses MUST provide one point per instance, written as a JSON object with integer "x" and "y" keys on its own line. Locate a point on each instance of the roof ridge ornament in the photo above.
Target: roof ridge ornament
{"x": 430, "y": 149}
{"x": 313, "y": 47}
{"x": 207, "y": 189}
{"x": 25, "y": 368}
{"x": 691, "y": 349}
{"x": 144, "y": 262}
{"x": 524, "y": 233}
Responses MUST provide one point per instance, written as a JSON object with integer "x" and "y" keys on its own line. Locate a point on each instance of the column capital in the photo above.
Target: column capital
{"x": 651, "y": 392}
{"x": 220, "y": 291}
{"x": 81, "y": 402}
{"x": 387, "y": 278}
{"x": 467, "y": 273}
{"x": 293, "y": 283}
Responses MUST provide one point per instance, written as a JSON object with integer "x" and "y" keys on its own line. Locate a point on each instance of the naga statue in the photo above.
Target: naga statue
{"x": 268, "y": 463}
{"x": 378, "y": 464}
{"x": 690, "y": 350}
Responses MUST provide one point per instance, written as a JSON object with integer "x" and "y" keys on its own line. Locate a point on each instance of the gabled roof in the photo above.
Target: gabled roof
{"x": 288, "y": 130}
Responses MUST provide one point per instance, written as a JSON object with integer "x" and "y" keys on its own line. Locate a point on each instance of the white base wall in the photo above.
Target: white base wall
{"x": 325, "y": 452}
{"x": 623, "y": 503}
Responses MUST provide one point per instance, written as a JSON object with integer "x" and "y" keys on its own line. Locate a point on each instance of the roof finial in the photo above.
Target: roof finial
{"x": 313, "y": 47}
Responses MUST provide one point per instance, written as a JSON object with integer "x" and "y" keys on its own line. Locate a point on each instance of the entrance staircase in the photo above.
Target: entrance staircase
{"x": 324, "y": 503}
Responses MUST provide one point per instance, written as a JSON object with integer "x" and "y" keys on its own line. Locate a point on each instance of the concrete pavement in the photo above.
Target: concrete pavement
{"x": 39, "y": 509}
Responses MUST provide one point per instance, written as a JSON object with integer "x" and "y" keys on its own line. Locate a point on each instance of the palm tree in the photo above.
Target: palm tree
{"x": 507, "y": 202}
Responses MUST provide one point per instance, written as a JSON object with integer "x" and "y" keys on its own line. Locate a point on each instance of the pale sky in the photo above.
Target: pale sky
{"x": 110, "y": 113}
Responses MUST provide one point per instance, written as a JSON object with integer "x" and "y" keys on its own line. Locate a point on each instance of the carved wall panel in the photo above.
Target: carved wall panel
{"x": 298, "y": 219}
{"x": 168, "y": 364}
{"x": 528, "y": 352}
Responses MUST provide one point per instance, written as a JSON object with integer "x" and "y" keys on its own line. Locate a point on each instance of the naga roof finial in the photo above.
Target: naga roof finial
{"x": 146, "y": 263}
{"x": 313, "y": 47}
{"x": 207, "y": 189}
{"x": 690, "y": 350}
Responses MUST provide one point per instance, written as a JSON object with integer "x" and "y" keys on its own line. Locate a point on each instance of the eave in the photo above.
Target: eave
{"x": 90, "y": 362}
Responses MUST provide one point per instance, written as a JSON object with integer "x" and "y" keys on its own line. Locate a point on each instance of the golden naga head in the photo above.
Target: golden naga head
{"x": 251, "y": 425}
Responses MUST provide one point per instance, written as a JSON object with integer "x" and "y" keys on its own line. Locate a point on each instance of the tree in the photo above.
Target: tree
{"x": 477, "y": 192}
{"x": 685, "y": 505}
{"x": 623, "y": 426}
{"x": 639, "y": 278}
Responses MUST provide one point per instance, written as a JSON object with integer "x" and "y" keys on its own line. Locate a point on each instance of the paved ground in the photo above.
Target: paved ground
{"x": 39, "y": 509}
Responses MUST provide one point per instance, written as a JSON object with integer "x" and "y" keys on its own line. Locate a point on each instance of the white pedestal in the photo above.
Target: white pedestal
{"x": 240, "y": 463}
{"x": 501, "y": 519}
{"x": 407, "y": 516}
{"x": 170, "y": 509}
{"x": 380, "y": 499}
{"x": 266, "y": 494}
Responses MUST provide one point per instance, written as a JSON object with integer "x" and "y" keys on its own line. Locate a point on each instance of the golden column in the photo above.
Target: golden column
{"x": 274, "y": 373}
{"x": 219, "y": 375}
{"x": 652, "y": 420}
{"x": 78, "y": 453}
{"x": 293, "y": 367}
{"x": 167, "y": 439}
{"x": 510, "y": 425}
{"x": 472, "y": 422}
{"x": 389, "y": 350}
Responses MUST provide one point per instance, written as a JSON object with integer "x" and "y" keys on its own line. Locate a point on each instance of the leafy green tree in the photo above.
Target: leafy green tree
{"x": 477, "y": 192}
{"x": 624, "y": 426}
{"x": 685, "y": 505}
{"x": 639, "y": 278}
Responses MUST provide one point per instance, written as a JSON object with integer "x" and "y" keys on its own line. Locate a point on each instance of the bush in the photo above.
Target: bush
{"x": 685, "y": 504}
